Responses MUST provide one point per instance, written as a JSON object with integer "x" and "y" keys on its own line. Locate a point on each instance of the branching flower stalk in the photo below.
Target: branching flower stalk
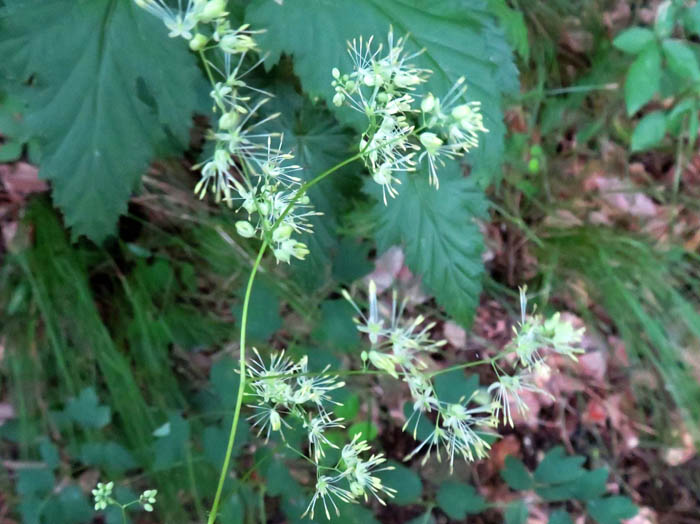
{"x": 102, "y": 497}
{"x": 250, "y": 170}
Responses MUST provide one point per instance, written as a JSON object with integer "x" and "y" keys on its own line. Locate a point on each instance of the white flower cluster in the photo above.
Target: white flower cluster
{"x": 532, "y": 336}
{"x": 381, "y": 86}
{"x": 248, "y": 165}
{"x": 398, "y": 348}
{"x": 102, "y": 497}
{"x": 283, "y": 388}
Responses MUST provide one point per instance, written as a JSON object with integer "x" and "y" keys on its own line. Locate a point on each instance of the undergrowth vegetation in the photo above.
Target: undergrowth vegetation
{"x": 369, "y": 261}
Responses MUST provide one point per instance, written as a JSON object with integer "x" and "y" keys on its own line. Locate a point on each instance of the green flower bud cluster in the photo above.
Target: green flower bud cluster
{"x": 102, "y": 497}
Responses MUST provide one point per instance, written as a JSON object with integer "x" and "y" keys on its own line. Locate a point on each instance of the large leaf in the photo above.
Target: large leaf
{"x": 441, "y": 240}
{"x": 109, "y": 90}
{"x": 459, "y": 38}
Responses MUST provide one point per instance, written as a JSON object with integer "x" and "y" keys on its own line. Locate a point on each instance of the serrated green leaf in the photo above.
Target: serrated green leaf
{"x": 559, "y": 517}
{"x": 458, "y": 500}
{"x": 405, "y": 481}
{"x": 610, "y": 510}
{"x": 516, "y": 512}
{"x": 316, "y": 32}
{"x": 103, "y": 102}
{"x": 516, "y": 474}
{"x": 514, "y": 26}
{"x": 649, "y": 132}
{"x": 643, "y": 78}
{"x": 441, "y": 240}
{"x": 557, "y": 468}
{"x": 336, "y": 330}
{"x": 352, "y": 262}
{"x": 87, "y": 411}
{"x": 634, "y": 39}
{"x": 681, "y": 59}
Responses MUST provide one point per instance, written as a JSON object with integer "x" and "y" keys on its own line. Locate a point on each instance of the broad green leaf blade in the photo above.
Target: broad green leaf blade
{"x": 87, "y": 411}
{"x": 405, "y": 481}
{"x": 459, "y": 37}
{"x": 681, "y": 59}
{"x": 516, "y": 512}
{"x": 590, "y": 485}
{"x": 633, "y": 40}
{"x": 610, "y": 510}
{"x": 169, "y": 447}
{"x": 559, "y": 517}
{"x": 516, "y": 474}
{"x": 643, "y": 78}
{"x": 649, "y": 131}
{"x": 557, "y": 468}
{"x": 440, "y": 238}
{"x": 109, "y": 92}
{"x": 458, "y": 500}
{"x": 454, "y": 386}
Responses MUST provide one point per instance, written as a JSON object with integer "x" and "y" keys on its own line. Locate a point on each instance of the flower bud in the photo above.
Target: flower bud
{"x": 245, "y": 229}
{"x": 228, "y": 120}
{"x": 461, "y": 111}
{"x": 338, "y": 99}
{"x": 336, "y": 73}
{"x": 275, "y": 420}
{"x": 282, "y": 233}
{"x": 430, "y": 141}
{"x": 428, "y": 103}
{"x": 198, "y": 42}
{"x": 213, "y": 9}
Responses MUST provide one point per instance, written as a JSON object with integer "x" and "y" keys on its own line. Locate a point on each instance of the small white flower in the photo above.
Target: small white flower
{"x": 316, "y": 428}
{"x": 102, "y": 495}
{"x": 508, "y": 390}
{"x": 148, "y": 498}
{"x": 326, "y": 491}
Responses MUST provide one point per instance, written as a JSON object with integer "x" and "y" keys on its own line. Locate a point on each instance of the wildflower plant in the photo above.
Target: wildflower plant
{"x": 102, "y": 498}
{"x": 250, "y": 170}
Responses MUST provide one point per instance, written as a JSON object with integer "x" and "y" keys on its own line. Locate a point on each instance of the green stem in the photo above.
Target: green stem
{"x": 207, "y": 68}
{"x": 244, "y": 320}
{"x": 241, "y": 386}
